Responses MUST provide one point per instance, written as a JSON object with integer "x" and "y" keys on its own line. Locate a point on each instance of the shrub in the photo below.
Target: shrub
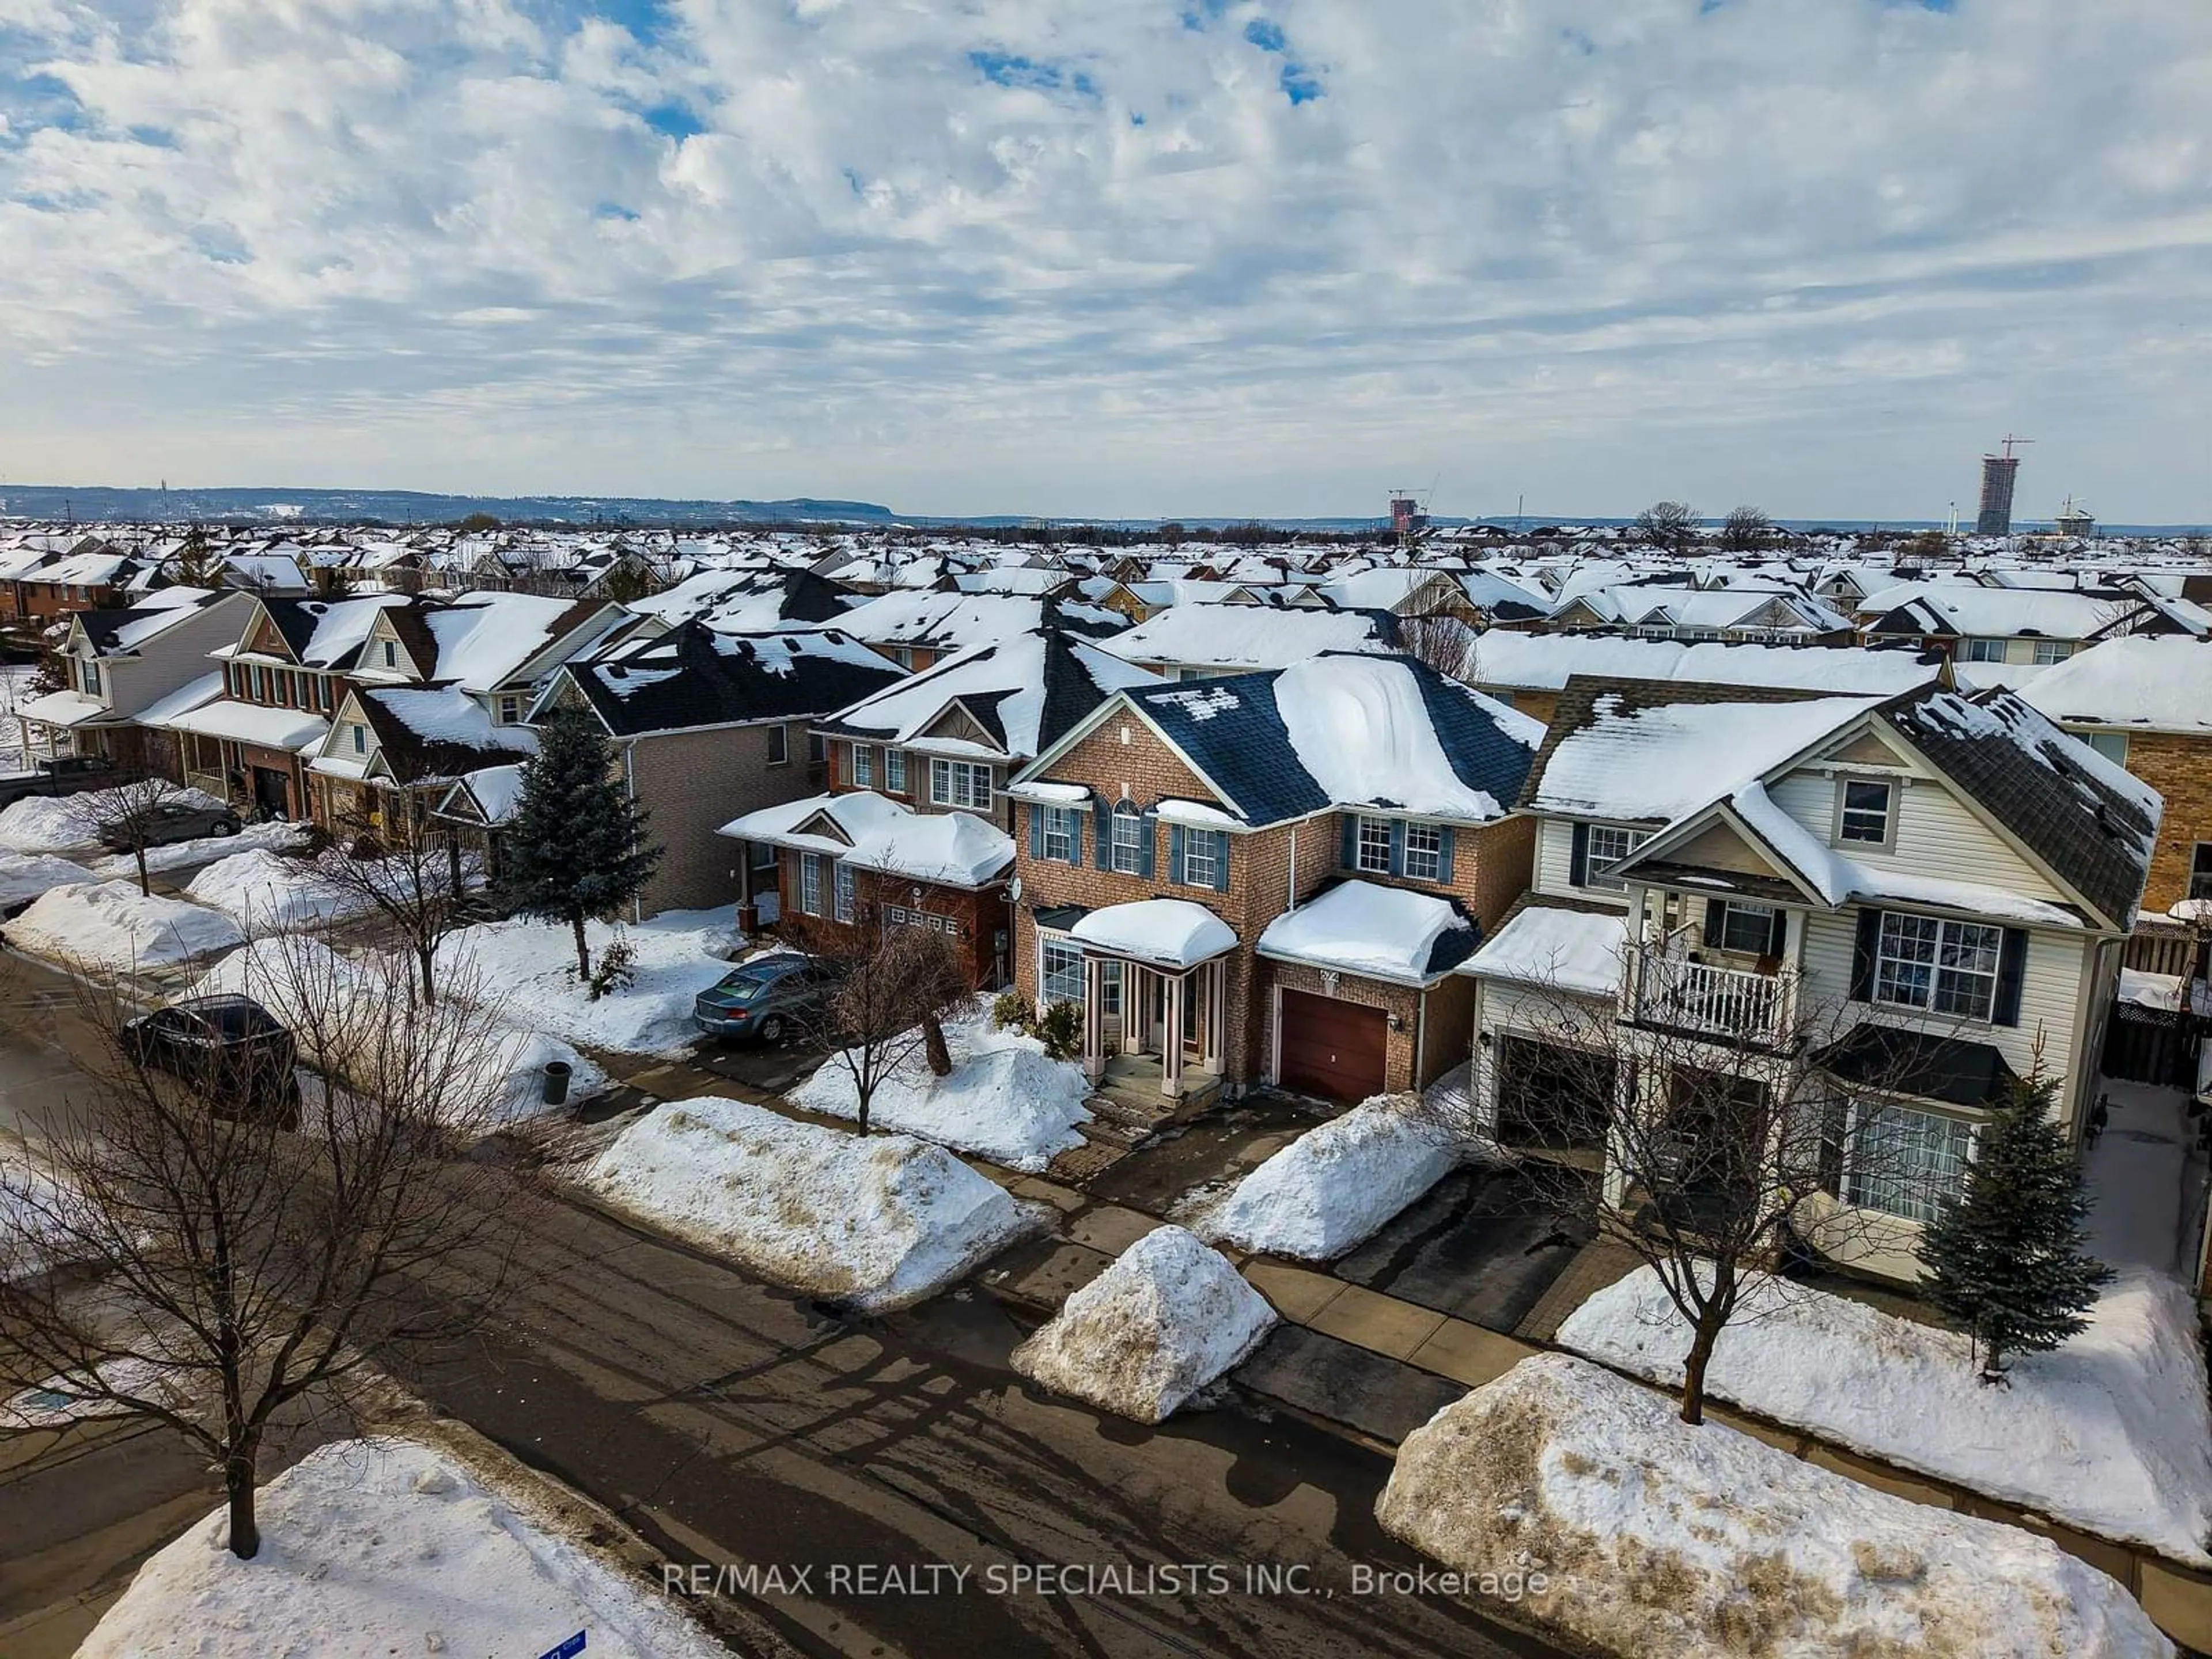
{"x": 1010, "y": 1011}
{"x": 1059, "y": 1028}
{"x": 616, "y": 970}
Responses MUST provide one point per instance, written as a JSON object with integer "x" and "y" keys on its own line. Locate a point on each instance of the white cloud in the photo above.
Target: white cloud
{"x": 1112, "y": 255}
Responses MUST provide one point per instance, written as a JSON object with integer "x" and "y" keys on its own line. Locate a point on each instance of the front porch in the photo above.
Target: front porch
{"x": 1155, "y": 998}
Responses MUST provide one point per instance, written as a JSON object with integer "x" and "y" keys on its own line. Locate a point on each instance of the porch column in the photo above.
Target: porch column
{"x": 1094, "y": 1017}
{"x": 1171, "y": 1037}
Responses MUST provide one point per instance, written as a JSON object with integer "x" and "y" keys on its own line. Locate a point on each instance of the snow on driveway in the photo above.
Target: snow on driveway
{"x": 2111, "y": 1433}
{"x": 1335, "y": 1185}
{"x": 384, "y": 1545}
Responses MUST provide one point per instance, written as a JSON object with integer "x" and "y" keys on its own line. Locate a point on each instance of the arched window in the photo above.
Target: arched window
{"x": 1128, "y": 839}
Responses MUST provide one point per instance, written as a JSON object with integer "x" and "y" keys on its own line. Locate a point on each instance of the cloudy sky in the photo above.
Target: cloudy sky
{"x": 1114, "y": 257}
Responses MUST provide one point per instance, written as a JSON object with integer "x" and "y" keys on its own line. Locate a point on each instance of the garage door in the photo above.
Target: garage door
{"x": 1332, "y": 1047}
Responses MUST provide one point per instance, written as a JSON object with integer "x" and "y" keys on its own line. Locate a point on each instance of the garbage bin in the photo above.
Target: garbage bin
{"x": 557, "y": 1081}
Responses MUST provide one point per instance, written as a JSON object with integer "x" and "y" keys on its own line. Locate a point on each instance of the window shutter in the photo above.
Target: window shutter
{"x": 1175, "y": 853}
{"x": 2012, "y": 970}
{"x": 1349, "y": 855}
{"x": 1397, "y": 846}
{"x": 1146, "y": 835}
{"x": 1036, "y": 832}
{"x": 1444, "y": 854}
{"x": 1715, "y": 922}
{"x": 1075, "y": 838}
{"x": 1777, "y": 933}
{"x": 1102, "y": 824}
{"x": 1578, "y": 863}
{"x": 1220, "y": 861}
{"x": 1862, "y": 954}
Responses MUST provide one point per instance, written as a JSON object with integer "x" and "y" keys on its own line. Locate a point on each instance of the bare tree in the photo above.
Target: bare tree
{"x": 130, "y": 816}
{"x": 892, "y": 985}
{"x": 224, "y": 1265}
{"x": 1444, "y": 643}
{"x": 1746, "y": 529}
{"x": 418, "y": 887}
{"x": 1668, "y": 524}
{"x": 1695, "y": 1116}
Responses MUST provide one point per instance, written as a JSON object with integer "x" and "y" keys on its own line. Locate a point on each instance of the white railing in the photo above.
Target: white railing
{"x": 1694, "y": 996}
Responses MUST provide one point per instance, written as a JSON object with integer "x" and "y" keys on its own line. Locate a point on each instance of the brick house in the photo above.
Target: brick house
{"x": 708, "y": 727}
{"x": 1267, "y": 878}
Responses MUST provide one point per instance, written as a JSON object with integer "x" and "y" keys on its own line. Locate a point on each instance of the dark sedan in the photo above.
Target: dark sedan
{"x": 229, "y": 1049}
{"x": 767, "y": 999}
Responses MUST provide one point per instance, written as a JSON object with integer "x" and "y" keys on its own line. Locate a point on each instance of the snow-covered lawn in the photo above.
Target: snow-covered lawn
{"x": 263, "y": 891}
{"x": 386, "y": 1547}
{"x": 2110, "y": 1433}
{"x": 279, "y": 837}
{"x": 1168, "y": 1318}
{"x": 531, "y": 967}
{"x": 111, "y": 926}
{"x": 56, "y": 824}
{"x": 26, "y": 875}
{"x": 501, "y": 1083}
{"x": 1635, "y": 1534}
{"x": 1336, "y": 1184}
{"x": 877, "y": 1221}
{"x": 1004, "y": 1099}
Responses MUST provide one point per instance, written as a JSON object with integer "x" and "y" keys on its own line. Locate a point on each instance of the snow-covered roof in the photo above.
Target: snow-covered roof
{"x": 63, "y": 708}
{"x": 1250, "y": 637}
{"x": 496, "y": 790}
{"x": 1031, "y": 687}
{"x": 245, "y": 722}
{"x": 1971, "y": 610}
{"x": 1570, "y": 950}
{"x": 484, "y": 639}
{"x": 190, "y": 695}
{"x": 1364, "y": 731}
{"x": 1543, "y": 662}
{"x": 2153, "y": 682}
{"x": 1166, "y": 932}
{"x": 1384, "y": 932}
{"x": 855, "y": 814}
{"x": 953, "y": 849}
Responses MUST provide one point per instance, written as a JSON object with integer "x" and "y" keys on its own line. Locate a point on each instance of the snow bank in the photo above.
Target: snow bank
{"x": 54, "y": 823}
{"x": 879, "y": 1221}
{"x": 531, "y": 965}
{"x": 2110, "y": 1434}
{"x": 502, "y": 1082}
{"x": 1335, "y": 1185}
{"x": 1004, "y": 1099}
{"x": 24, "y": 876}
{"x": 30, "y": 1200}
{"x": 385, "y": 1547}
{"x": 1169, "y": 1317}
{"x": 1585, "y": 1501}
{"x": 261, "y": 889}
{"x": 274, "y": 837}
{"x": 111, "y": 926}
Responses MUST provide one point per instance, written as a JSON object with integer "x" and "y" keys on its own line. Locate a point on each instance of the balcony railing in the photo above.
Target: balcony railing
{"x": 1726, "y": 1002}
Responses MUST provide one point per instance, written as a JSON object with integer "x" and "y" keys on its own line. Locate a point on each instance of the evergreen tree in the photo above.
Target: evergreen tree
{"x": 2006, "y": 1256}
{"x": 576, "y": 847}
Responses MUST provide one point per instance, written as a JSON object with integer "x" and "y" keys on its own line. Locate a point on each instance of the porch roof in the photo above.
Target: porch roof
{"x": 246, "y": 722}
{"x": 1162, "y": 933}
{"x": 1897, "y": 1061}
{"x": 1573, "y": 951}
{"x": 1383, "y": 933}
{"x": 62, "y": 708}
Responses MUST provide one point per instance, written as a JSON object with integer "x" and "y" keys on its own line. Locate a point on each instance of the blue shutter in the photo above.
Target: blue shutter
{"x": 1102, "y": 824}
{"x": 1220, "y": 861}
{"x": 1174, "y": 854}
{"x": 1397, "y": 846}
{"x": 1036, "y": 832}
{"x": 1349, "y": 857}
{"x": 1075, "y": 838}
{"x": 1444, "y": 854}
{"x": 1147, "y": 833}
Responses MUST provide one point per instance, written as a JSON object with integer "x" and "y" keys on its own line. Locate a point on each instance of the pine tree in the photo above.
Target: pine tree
{"x": 576, "y": 847}
{"x": 2007, "y": 1256}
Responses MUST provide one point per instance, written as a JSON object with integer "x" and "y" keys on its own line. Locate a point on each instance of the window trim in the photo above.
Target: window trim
{"x": 1067, "y": 947}
{"x": 1920, "y": 1207}
{"x": 1891, "y": 812}
{"x": 779, "y": 746}
{"x": 810, "y": 884}
{"x": 1433, "y": 855}
{"x": 1731, "y": 908}
{"x": 1059, "y": 824}
{"x": 1361, "y": 848}
{"x": 1199, "y": 849}
{"x": 1970, "y": 649}
{"x": 895, "y": 771}
{"x": 1935, "y": 968}
{"x": 1591, "y": 877}
{"x": 1126, "y": 813}
{"x": 844, "y": 893}
{"x": 864, "y": 765}
{"x": 946, "y": 776}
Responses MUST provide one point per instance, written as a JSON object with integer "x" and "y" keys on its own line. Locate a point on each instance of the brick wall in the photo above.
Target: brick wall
{"x": 2180, "y": 769}
{"x": 980, "y": 914}
{"x": 694, "y": 782}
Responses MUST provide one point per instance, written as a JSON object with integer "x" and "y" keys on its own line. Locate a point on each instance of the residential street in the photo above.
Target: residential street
{"x": 732, "y": 1426}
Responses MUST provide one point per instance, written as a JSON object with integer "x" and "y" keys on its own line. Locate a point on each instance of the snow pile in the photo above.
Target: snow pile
{"x": 51, "y": 823}
{"x": 1335, "y": 1185}
{"x": 500, "y": 1081}
{"x": 111, "y": 926}
{"x": 1364, "y": 732}
{"x": 278, "y": 836}
{"x": 877, "y": 1221}
{"x": 266, "y": 890}
{"x": 1361, "y": 927}
{"x": 2110, "y": 1434}
{"x": 24, "y": 876}
{"x": 1004, "y": 1099}
{"x": 1168, "y": 1318}
{"x": 386, "y": 1547}
{"x": 1633, "y": 1533}
{"x": 531, "y": 966}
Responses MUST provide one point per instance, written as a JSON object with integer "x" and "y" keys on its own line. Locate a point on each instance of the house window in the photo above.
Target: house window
{"x": 1945, "y": 967}
{"x": 1985, "y": 650}
{"x": 960, "y": 783}
{"x": 2112, "y": 745}
{"x": 2200, "y": 871}
{"x": 1862, "y": 815}
{"x": 91, "y": 678}
{"x": 895, "y": 915}
{"x": 1608, "y": 845}
{"x": 390, "y": 654}
{"x": 1425, "y": 852}
{"x": 1372, "y": 854}
{"x": 510, "y": 710}
{"x": 810, "y": 884}
{"x": 1057, "y": 837}
{"x": 1059, "y": 972}
{"x": 1201, "y": 863}
{"x": 360, "y": 739}
{"x": 817, "y": 749}
{"x": 779, "y": 746}
{"x": 841, "y": 892}
{"x": 864, "y": 766}
{"x": 2048, "y": 652}
{"x": 1902, "y": 1162}
{"x": 1748, "y": 928}
{"x": 1128, "y": 840}
{"x": 894, "y": 770}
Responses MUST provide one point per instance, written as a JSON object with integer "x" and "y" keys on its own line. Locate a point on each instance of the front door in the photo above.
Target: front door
{"x": 1193, "y": 1019}
{"x": 272, "y": 793}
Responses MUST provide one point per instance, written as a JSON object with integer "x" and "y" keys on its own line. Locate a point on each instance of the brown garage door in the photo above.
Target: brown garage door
{"x": 1332, "y": 1047}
